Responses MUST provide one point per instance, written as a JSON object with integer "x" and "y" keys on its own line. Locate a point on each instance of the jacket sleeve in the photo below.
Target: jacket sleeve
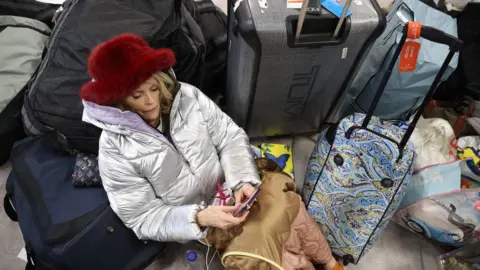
{"x": 232, "y": 144}
{"x": 133, "y": 199}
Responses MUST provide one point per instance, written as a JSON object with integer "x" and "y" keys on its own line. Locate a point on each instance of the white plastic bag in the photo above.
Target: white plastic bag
{"x": 432, "y": 140}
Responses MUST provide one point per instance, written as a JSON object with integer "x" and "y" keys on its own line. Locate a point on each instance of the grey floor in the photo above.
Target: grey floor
{"x": 398, "y": 249}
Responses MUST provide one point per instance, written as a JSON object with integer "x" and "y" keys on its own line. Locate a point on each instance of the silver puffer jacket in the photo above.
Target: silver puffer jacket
{"x": 155, "y": 185}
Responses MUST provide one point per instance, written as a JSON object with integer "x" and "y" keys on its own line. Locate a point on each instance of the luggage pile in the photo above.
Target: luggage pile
{"x": 394, "y": 101}
{"x": 66, "y": 222}
{"x": 388, "y": 162}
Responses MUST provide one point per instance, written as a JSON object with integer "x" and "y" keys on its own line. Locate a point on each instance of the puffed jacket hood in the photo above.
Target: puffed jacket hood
{"x": 157, "y": 185}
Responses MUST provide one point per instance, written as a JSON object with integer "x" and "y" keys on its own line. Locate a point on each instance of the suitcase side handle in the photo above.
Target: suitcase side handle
{"x": 431, "y": 34}
{"x": 242, "y": 19}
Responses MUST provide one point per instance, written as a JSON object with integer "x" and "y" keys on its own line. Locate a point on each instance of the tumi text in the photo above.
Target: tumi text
{"x": 299, "y": 92}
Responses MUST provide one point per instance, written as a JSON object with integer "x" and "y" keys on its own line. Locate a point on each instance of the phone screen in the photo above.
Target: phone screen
{"x": 246, "y": 205}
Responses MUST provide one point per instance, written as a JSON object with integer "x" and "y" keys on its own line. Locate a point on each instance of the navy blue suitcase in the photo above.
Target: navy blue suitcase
{"x": 66, "y": 227}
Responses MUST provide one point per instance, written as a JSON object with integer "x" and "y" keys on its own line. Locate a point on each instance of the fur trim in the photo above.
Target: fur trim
{"x": 120, "y": 65}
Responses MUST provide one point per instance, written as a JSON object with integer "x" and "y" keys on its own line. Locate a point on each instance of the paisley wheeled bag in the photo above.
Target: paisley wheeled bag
{"x": 358, "y": 171}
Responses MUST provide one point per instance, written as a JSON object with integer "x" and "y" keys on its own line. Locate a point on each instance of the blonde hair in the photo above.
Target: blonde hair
{"x": 166, "y": 84}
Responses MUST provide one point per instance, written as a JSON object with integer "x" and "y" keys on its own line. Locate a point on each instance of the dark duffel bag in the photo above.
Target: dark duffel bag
{"x": 66, "y": 227}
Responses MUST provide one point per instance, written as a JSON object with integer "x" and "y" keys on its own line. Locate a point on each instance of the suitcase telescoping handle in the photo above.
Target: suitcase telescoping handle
{"x": 431, "y": 34}
{"x": 301, "y": 19}
{"x": 342, "y": 18}
{"x": 320, "y": 37}
{"x": 303, "y": 13}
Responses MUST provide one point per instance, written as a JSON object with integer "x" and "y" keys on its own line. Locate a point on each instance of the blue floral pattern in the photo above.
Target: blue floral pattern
{"x": 347, "y": 198}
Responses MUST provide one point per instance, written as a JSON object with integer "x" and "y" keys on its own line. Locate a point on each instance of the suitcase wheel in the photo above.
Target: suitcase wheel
{"x": 347, "y": 259}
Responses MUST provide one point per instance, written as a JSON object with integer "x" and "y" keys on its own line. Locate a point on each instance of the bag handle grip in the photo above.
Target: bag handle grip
{"x": 8, "y": 207}
{"x": 441, "y": 37}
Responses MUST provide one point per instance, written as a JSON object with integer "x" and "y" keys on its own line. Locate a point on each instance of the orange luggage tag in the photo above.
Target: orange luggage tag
{"x": 411, "y": 48}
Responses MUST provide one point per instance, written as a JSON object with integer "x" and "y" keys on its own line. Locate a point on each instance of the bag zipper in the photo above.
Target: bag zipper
{"x": 84, "y": 231}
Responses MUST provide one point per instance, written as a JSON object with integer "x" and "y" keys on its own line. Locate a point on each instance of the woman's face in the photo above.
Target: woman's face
{"x": 145, "y": 100}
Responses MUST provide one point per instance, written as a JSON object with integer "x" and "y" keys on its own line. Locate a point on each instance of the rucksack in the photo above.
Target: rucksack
{"x": 66, "y": 227}
{"x": 22, "y": 41}
{"x": 52, "y": 102}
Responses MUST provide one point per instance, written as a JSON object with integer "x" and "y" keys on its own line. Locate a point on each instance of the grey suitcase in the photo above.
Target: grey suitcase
{"x": 278, "y": 85}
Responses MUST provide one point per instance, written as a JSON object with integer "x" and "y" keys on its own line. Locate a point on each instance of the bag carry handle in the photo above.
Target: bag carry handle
{"x": 303, "y": 13}
{"x": 312, "y": 27}
{"x": 415, "y": 30}
{"x": 8, "y": 207}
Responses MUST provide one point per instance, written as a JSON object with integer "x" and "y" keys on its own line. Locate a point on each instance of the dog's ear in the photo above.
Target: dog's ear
{"x": 261, "y": 163}
{"x": 273, "y": 166}
{"x": 265, "y": 164}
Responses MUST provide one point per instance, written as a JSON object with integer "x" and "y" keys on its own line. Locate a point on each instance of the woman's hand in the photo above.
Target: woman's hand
{"x": 243, "y": 194}
{"x": 219, "y": 216}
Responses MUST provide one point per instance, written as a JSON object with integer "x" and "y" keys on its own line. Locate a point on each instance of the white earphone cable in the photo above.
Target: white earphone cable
{"x": 207, "y": 264}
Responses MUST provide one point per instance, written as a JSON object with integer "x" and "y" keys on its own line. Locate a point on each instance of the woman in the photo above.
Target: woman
{"x": 164, "y": 149}
{"x": 164, "y": 145}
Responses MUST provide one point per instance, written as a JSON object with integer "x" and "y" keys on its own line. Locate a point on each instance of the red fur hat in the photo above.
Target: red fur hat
{"x": 120, "y": 65}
